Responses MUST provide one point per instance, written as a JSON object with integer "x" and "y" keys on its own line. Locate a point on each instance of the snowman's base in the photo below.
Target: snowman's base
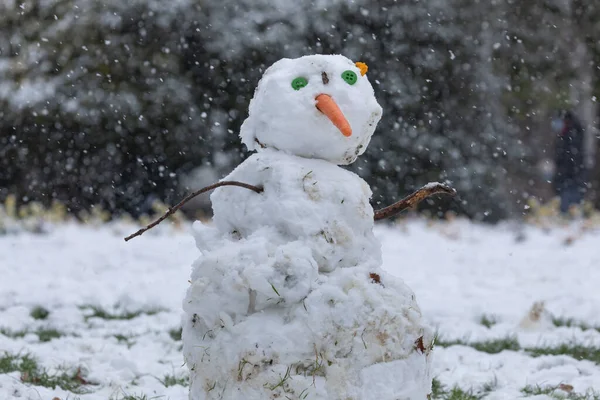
{"x": 354, "y": 334}
{"x": 407, "y": 379}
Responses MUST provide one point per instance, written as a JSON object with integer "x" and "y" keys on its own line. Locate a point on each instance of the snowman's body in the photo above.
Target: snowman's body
{"x": 289, "y": 299}
{"x": 303, "y": 198}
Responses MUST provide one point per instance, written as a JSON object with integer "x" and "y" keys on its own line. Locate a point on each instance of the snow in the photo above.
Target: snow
{"x": 290, "y": 278}
{"x": 77, "y": 266}
{"x": 287, "y": 119}
{"x": 271, "y": 310}
{"x": 304, "y": 198}
{"x": 459, "y": 271}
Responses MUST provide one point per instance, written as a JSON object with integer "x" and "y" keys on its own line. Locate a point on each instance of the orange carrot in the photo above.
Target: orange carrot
{"x": 328, "y": 106}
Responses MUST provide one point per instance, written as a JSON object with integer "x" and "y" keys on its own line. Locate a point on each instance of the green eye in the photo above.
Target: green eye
{"x": 299, "y": 83}
{"x": 350, "y": 77}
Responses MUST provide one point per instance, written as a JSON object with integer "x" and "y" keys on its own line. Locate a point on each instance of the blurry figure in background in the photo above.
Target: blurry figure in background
{"x": 569, "y": 181}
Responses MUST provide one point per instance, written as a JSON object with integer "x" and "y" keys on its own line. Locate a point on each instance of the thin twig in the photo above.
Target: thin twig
{"x": 172, "y": 210}
{"x": 414, "y": 199}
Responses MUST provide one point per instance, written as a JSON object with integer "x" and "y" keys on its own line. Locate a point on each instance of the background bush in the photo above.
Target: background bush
{"x": 115, "y": 103}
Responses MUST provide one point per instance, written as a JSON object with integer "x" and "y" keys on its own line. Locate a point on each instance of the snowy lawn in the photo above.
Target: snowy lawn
{"x": 84, "y": 314}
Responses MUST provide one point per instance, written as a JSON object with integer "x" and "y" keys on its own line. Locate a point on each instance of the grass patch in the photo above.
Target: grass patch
{"x": 15, "y": 362}
{"x": 121, "y": 338}
{"x": 489, "y": 386}
{"x": 39, "y": 312}
{"x": 531, "y": 390}
{"x": 457, "y": 393}
{"x": 577, "y": 351}
{"x": 47, "y": 334}
{"x": 172, "y": 380}
{"x": 282, "y": 380}
{"x": 32, "y": 373}
{"x": 558, "y": 392}
{"x": 436, "y": 389}
{"x": 140, "y": 396}
{"x": 127, "y": 340}
{"x": 494, "y": 346}
{"x": 498, "y": 345}
{"x": 71, "y": 381}
{"x": 176, "y": 334}
{"x": 99, "y": 312}
{"x": 44, "y": 334}
{"x": 571, "y": 323}
{"x": 488, "y": 320}
{"x": 12, "y": 334}
{"x": 440, "y": 392}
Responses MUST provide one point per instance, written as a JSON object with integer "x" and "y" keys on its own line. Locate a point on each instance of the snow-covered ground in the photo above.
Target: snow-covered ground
{"x": 115, "y": 309}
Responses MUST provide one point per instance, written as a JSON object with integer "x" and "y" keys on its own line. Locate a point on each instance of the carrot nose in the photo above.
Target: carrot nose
{"x": 328, "y": 106}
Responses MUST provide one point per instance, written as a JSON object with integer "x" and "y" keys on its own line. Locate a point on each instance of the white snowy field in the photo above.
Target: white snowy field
{"x": 114, "y": 310}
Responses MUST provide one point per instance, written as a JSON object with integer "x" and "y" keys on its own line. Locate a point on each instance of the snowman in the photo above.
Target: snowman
{"x": 288, "y": 299}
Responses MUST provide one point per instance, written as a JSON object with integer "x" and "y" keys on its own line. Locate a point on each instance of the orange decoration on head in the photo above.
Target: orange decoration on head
{"x": 329, "y": 107}
{"x": 362, "y": 66}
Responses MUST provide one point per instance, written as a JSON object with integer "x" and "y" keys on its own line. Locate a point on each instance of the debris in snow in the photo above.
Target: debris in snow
{"x": 537, "y": 318}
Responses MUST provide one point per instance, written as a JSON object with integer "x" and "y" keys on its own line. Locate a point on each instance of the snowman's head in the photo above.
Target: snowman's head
{"x": 318, "y": 106}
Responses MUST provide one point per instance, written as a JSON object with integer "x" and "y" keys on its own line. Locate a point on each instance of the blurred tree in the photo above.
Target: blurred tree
{"x": 585, "y": 16}
{"x": 115, "y": 102}
{"x": 551, "y": 57}
{"x": 95, "y": 105}
{"x": 443, "y": 118}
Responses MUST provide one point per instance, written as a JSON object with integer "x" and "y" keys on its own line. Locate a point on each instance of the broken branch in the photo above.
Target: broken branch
{"x": 414, "y": 199}
{"x": 172, "y": 210}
